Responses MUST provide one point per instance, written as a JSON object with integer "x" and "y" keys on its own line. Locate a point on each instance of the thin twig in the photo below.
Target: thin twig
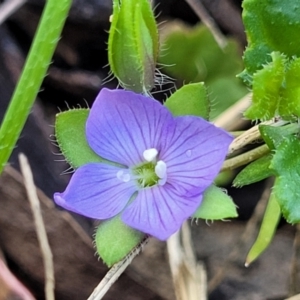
{"x": 8, "y": 8}
{"x": 232, "y": 118}
{"x": 114, "y": 273}
{"x": 39, "y": 226}
{"x": 251, "y": 135}
{"x": 189, "y": 276}
{"x": 296, "y": 297}
{"x": 209, "y": 22}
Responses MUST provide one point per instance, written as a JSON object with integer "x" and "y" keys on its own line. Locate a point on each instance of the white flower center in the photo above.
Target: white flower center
{"x": 148, "y": 174}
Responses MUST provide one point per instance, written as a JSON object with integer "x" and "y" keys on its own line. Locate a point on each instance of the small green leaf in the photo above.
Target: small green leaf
{"x": 266, "y": 89}
{"x": 114, "y": 240}
{"x": 290, "y": 104}
{"x": 273, "y": 135}
{"x": 202, "y": 60}
{"x": 71, "y": 138}
{"x": 191, "y": 99}
{"x": 286, "y": 164}
{"x": 267, "y": 230}
{"x": 254, "y": 172}
{"x": 216, "y": 205}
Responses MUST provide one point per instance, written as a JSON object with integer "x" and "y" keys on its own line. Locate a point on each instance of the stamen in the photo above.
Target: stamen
{"x": 161, "y": 169}
{"x": 123, "y": 176}
{"x": 150, "y": 154}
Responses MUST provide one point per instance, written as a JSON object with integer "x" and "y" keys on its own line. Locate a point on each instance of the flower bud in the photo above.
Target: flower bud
{"x": 133, "y": 44}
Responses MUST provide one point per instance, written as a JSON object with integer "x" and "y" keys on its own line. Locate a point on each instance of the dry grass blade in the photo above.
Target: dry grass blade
{"x": 296, "y": 297}
{"x": 114, "y": 273}
{"x": 209, "y": 22}
{"x": 39, "y": 226}
{"x": 189, "y": 277}
{"x": 232, "y": 117}
{"x": 8, "y": 8}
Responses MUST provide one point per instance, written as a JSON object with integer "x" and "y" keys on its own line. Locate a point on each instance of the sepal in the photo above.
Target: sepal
{"x": 114, "y": 240}
{"x": 216, "y": 205}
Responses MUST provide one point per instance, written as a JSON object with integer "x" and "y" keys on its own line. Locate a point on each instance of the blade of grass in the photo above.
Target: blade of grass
{"x": 34, "y": 71}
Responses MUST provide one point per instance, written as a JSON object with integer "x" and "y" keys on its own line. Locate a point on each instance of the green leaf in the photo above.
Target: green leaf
{"x": 290, "y": 104}
{"x": 271, "y": 25}
{"x": 273, "y": 135}
{"x": 114, "y": 240}
{"x": 191, "y": 99}
{"x": 267, "y": 230}
{"x": 254, "y": 172}
{"x": 216, "y": 205}
{"x": 71, "y": 138}
{"x": 202, "y": 60}
{"x": 286, "y": 164}
{"x": 266, "y": 89}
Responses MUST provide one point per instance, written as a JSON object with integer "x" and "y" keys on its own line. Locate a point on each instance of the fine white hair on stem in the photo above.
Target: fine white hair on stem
{"x": 114, "y": 273}
{"x": 39, "y": 226}
{"x": 8, "y": 8}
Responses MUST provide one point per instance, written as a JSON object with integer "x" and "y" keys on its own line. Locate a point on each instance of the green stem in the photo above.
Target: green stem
{"x": 245, "y": 158}
{"x": 36, "y": 65}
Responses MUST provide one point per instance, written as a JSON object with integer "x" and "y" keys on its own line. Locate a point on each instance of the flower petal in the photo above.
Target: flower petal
{"x": 122, "y": 125}
{"x": 159, "y": 211}
{"x": 95, "y": 191}
{"x": 194, "y": 155}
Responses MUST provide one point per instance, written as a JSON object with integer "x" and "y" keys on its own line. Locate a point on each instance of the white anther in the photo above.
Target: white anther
{"x": 162, "y": 181}
{"x": 123, "y": 176}
{"x": 161, "y": 169}
{"x": 150, "y": 154}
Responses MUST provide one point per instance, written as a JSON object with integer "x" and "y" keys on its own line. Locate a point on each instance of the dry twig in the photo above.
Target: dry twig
{"x": 114, "y": 273}
{"x": 296, "y": 297}
{"x": 232, "y": 117}
{"x": 8, "y": 8}
{"x": 189, "y": 276}
{"x": 39, "y": 226}
{"x": 209, "y": 22}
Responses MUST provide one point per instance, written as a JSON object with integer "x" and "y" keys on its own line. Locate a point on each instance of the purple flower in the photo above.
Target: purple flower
{"x": 164, "y": 164}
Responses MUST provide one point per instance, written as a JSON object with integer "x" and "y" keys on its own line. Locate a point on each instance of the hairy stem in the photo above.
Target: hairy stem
{"x": 36, "y": 65}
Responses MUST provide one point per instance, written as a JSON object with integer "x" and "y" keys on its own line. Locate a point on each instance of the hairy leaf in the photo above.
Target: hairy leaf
{"x": 70, "y": 136}
{"x": 216, "y": 205}
{"x": 286, "y": 164}
{"x": 191, "y": 99}
{"x": 266, "y": 89}
{"x": 114, "y": 240}
{"x": 254, "y": 172}
{"x": 271, "y": 25}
